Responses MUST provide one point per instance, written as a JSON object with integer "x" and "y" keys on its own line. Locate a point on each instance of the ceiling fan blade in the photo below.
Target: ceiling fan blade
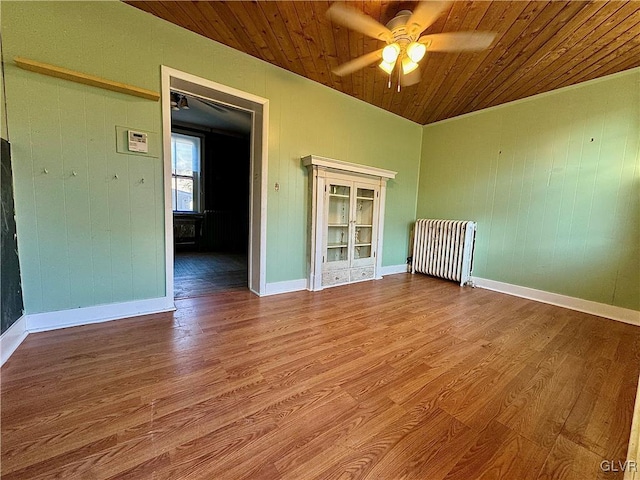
{"x": 358, "y": 63}
{"x": 411, "y": 78}
{"x": 424, "y": 15}
{"x": 458, "y": 41}
{"x": 214, "y": 106}
{"x": 358, "y": 21}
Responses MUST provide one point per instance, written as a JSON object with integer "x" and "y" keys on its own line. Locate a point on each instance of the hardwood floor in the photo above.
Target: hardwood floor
{"x": 407, "y": 377}
{"x": 202, "y": 273}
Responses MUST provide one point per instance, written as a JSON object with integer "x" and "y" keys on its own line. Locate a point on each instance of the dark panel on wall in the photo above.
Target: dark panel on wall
{"x": 11, "y": 287}
{"x": 226, "y": 193}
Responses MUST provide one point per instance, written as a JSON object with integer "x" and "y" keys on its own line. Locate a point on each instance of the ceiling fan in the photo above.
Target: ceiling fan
{"x": 179, "y": 101}
{"x": 404, "y": 43}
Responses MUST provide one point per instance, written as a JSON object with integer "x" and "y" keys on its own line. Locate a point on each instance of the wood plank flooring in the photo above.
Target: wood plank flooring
{"x": 408, "y": 377}
{"x": 202, "y": 273}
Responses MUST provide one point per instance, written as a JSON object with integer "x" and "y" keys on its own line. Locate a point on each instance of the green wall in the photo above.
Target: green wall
{"x": 553, "y": 182}
{"x": 89, "y": 238}
{"x": 556, "y": 211}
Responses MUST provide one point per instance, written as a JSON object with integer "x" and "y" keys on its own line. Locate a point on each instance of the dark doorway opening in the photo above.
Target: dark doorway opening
{"x": 211, "y": 152}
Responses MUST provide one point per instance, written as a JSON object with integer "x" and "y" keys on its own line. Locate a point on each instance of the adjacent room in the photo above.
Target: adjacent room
{"x": 314, "y": 240}
{"x": 210, "y": 152}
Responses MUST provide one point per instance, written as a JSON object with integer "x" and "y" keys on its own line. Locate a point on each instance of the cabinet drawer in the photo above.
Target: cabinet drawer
{"x": 335, "y": 277}
{"x": 365, "y": 273}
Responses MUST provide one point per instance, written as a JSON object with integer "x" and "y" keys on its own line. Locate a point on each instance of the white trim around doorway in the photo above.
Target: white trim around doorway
{"x": 259, "y": 107}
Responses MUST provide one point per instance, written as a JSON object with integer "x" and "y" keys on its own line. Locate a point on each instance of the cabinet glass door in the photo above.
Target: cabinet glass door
{"x": 338, "y": 218}
{"x": 363, "y": 236}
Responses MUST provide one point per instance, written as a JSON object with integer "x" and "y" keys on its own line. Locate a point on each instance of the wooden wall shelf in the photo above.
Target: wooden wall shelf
{"x": 85, "y": 79}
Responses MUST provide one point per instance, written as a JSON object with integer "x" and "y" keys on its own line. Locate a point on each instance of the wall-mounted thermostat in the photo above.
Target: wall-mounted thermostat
{"x": 138, "y": 142}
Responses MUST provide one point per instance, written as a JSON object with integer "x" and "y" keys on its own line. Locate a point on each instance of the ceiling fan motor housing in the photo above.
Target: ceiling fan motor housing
{"x": 398, "y": 26}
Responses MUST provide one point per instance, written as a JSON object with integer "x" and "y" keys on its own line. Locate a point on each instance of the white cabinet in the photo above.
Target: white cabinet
{"x": 346, "y": 221}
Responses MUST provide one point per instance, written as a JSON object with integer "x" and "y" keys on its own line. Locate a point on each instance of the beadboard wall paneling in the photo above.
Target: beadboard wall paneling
{"x": 90, "y": 238}
{"x": 553, "y": 183}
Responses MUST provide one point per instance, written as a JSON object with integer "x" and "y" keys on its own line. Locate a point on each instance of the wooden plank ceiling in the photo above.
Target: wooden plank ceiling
{"x": 540, "y": 46}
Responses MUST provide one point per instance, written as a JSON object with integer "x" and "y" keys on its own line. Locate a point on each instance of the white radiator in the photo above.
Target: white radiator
{"x": 444, "y": 248}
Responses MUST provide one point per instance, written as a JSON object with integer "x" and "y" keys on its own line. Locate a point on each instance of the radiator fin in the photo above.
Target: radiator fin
{"x": 444, "y": 248}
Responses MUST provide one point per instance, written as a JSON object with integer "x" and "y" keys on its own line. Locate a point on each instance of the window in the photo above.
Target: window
{"x": 185, "y": 172}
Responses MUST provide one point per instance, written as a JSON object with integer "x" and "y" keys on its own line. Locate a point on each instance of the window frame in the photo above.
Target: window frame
{"x": 197, "y": 178}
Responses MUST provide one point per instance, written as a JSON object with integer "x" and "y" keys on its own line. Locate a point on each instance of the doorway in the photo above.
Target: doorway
{"x": 210, "y": 160}
{"x": 215, "y": 195}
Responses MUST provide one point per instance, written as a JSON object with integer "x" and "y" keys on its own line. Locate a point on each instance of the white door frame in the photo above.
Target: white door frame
{"x": 259, "y": 108}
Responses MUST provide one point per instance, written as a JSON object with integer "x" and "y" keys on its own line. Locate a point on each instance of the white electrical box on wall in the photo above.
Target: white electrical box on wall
{"x": 138, "y": 141}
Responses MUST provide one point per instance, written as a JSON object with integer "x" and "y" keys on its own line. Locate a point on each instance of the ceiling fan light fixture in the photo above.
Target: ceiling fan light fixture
{"x": 390, "y": 53}
{"x": 183, "y": 103}
{"x": 416, "y": 51}
{"x": 387, "y": 66}
{"x": 408, "y": 65}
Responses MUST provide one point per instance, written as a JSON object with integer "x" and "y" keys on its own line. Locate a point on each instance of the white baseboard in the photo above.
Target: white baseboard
{"x": 393, "y": 269}
{"x": 12, "y": 338}
{"x": 287, "y": 286}
{"x": 41, "y": 322}
{"x": 620, "y": 314}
